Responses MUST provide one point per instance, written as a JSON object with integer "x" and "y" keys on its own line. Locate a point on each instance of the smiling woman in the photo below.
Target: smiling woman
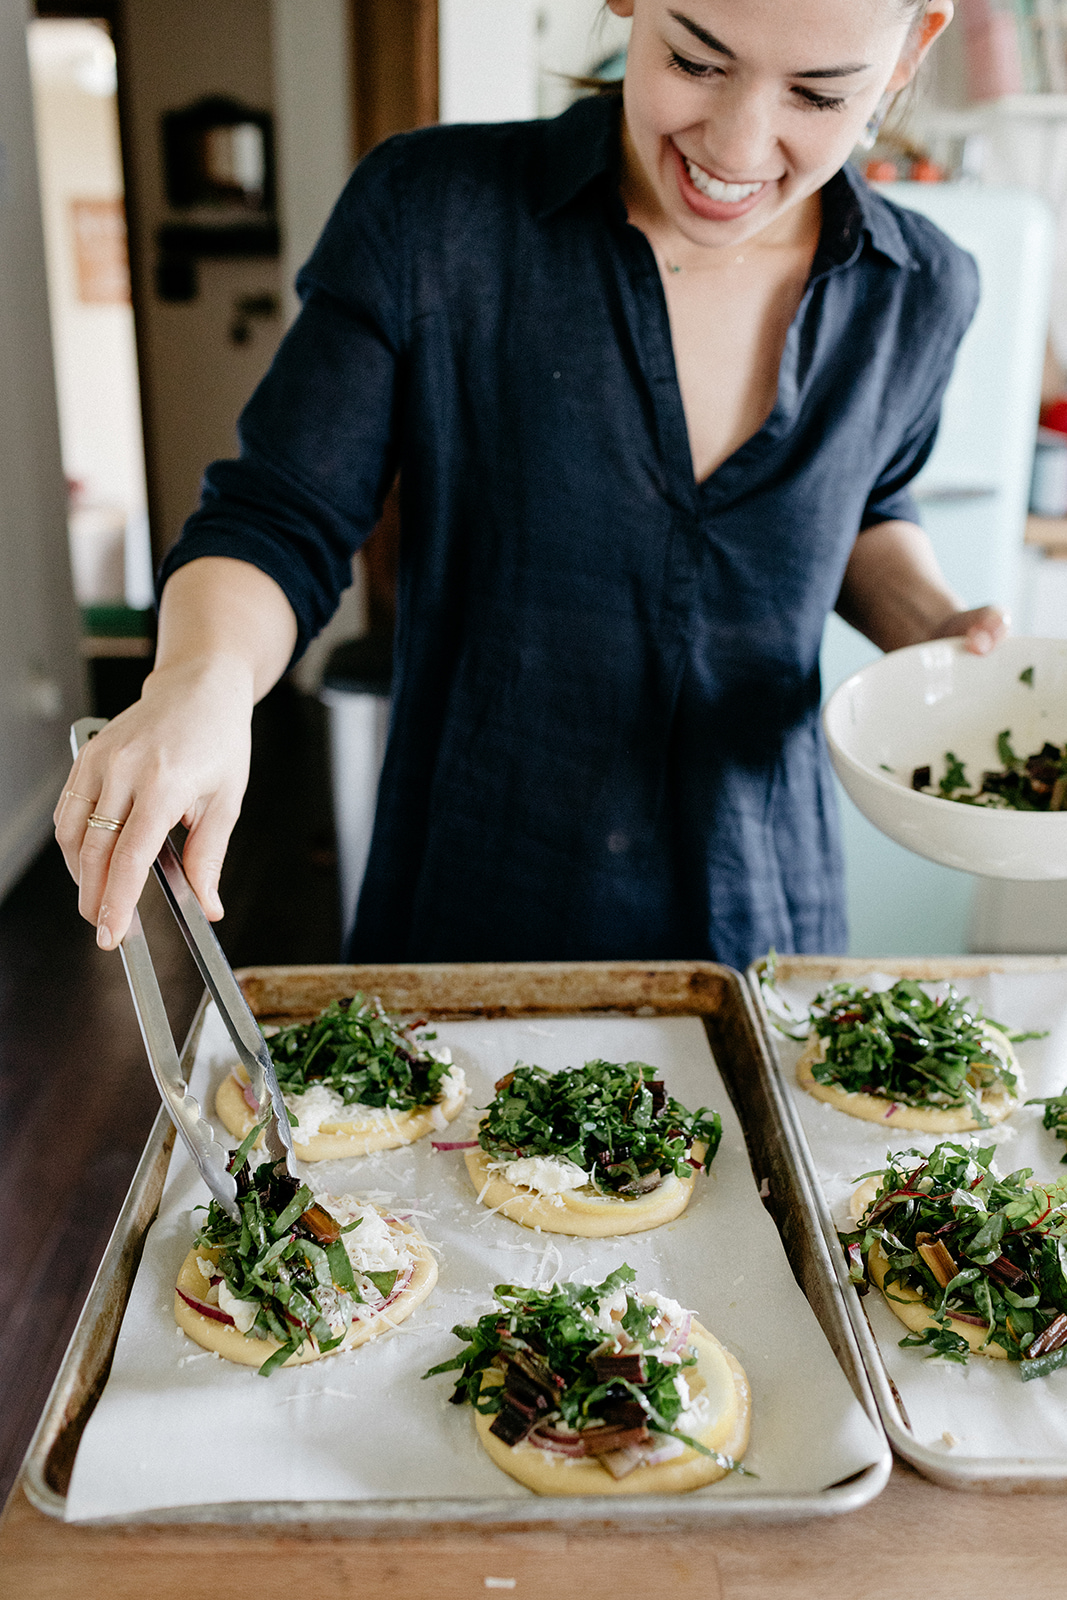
{"x": 656, "y": 380}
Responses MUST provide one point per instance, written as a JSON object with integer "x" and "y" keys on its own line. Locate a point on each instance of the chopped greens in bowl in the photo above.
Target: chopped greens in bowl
{"x": 613, "y": 1120}
{"x": 986, "y": 1250}
{"x": 1036, "y": 782}
{"x": 367, "y": 1057}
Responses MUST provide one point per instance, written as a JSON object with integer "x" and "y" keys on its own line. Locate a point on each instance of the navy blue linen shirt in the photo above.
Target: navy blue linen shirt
{"x": 605, "y": 738}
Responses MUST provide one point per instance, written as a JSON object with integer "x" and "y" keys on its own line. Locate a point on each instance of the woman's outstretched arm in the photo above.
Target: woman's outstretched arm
{"x": 181, "y": 753}
{"x": 895, "y": 593}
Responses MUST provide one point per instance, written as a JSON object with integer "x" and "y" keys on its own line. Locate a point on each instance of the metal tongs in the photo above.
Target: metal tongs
{"x": 224, "y": 989}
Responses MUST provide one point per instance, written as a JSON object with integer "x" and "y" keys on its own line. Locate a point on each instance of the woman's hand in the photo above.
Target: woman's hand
{"x": 981, "y": 629}
{"x": 895, "y": 593}
{"x": 181, "y": 754}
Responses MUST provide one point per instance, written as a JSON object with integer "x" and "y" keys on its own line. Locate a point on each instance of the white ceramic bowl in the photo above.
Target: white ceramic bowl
{"x": 909, "y": 708}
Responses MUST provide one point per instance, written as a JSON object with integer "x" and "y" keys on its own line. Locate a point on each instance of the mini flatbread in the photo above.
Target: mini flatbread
{"x": 368, "y": 1128}
{"x": 996, "y": 1103}
{"x": 913, "y": 1311}
{"x": 248, "y": 1351}
{"x": 717, "y": 1374}
{"x": 582, "y": 1213}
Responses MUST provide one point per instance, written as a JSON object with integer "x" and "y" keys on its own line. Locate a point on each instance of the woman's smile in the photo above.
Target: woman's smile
{"x": 712, "y": 197}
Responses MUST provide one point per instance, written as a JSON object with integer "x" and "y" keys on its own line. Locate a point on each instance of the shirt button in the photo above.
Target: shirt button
{"x": 618, "y": 843}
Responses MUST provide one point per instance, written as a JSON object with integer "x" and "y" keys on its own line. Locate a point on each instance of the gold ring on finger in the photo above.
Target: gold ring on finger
{"x": 112, "y": 824}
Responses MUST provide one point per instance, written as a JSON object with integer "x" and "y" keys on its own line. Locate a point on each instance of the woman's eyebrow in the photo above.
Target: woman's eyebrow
{"x": 833, "y": 72}
{"x": 703, "y": 35}
{"x": 717, "y": 45}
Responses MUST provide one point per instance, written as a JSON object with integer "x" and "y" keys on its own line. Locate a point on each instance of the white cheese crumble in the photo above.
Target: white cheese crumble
{"x": 603, "y": 1318}
{"x": 206, "y": 1267}
{"x": 243, "y": 1312}
{"x": 695, "y": 1418}
{"x": 320, "y": 1106}
{"x": 671, "y": 1314}
{"x": 546, "y": 1174}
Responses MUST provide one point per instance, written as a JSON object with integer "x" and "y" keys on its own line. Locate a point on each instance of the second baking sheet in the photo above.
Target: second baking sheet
{"x": 177, "y": 1427}
{"x": 981, "y": 1411}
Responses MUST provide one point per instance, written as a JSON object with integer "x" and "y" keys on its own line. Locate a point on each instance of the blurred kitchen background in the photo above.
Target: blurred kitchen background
{"x": 165, "y": 166}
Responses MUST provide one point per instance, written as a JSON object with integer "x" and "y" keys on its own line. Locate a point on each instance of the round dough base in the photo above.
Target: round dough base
{"x": 233, "y": 1345}
{"x": 911, "y": 1308}
{"x": 546, "y": 1474}
{"x": 582, "y": 1214}
{"x": 996, "y": 1103}
{"x": 336, "y": 1140}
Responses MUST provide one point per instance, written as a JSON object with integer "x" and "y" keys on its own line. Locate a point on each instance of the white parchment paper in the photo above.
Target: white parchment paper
{"x": 177, "y": 1426}
{"x": 982, "y": 1409}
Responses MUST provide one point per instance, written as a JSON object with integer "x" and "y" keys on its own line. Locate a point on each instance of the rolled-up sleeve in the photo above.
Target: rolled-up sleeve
{"x": 317, "y": 438}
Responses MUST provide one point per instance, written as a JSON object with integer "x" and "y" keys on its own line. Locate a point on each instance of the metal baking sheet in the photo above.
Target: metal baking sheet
{"x": 943, "y": 1461}
{"x": 714, "y": 994}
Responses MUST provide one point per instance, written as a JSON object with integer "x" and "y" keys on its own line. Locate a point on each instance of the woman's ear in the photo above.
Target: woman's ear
{"x": 621, "y": 8}
{"x": 934, "y": 20}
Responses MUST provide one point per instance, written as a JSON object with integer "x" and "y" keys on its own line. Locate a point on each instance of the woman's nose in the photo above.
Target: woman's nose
{"x": 738, "y": 133}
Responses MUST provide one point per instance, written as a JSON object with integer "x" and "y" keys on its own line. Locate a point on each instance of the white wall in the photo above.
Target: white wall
{"x": 96, "y": 363}
{"x": 504, "y": 60}
{"x": 573, "y": 36}
{"x": 488, "y": 60}
{"x": 313, "y": 110}
{"x": 194, "y": 379}
{"x": 312, "y": 101}
{"x": 41, "y": 682}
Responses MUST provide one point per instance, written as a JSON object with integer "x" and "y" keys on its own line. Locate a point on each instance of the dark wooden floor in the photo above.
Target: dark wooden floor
{"x": 76, "y": 1096}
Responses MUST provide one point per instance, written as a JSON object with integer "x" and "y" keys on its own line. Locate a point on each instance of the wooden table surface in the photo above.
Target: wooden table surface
{"x": 914, "y": 1534}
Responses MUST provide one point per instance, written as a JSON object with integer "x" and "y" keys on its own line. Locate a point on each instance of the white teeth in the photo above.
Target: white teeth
{"x": 715, "y": 189}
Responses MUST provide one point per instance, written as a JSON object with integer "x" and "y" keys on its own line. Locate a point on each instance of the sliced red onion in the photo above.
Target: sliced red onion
{"x": 454, "y": 1144}
{"x": 965, "y": 1316}
{"x": 249, "y": 1097}
{"x": 205, "y": 1310}
{"x": 560, "y": 1444}
{"x": 889, "y": 1113}
{"x": 681, "y": 1333}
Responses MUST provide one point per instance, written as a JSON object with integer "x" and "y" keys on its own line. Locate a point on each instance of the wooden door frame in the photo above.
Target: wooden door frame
{"x": 394, "y": 68}
{"x": 394, "y": 57}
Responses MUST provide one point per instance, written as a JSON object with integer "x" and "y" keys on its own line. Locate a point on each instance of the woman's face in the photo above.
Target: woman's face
{"x": 738, "y": 110}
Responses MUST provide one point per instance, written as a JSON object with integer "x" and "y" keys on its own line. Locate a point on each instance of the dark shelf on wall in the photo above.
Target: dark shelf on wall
{"x": 183, "y": 245}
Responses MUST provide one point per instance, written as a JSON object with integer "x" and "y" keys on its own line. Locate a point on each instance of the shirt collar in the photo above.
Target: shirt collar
{"x": 583, "y": 144}
{"x": 851, "y": 216}
{"x": 579, "y": 146}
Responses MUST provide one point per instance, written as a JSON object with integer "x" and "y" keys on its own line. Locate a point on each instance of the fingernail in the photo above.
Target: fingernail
{"x": 982, "y": 642}
{"x": 103, "y": 936}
